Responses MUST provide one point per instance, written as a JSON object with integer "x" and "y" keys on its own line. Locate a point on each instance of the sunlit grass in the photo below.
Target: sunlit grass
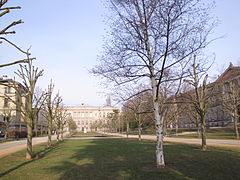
{"x": 121, "y": 159}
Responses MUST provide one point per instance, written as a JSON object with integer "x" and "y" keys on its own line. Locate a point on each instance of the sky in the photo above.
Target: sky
{"x": 67, "y": 36}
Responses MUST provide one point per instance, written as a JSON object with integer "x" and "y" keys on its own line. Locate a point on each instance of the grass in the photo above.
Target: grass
{"x": 214, "y": 133}
{"x": 88, "y": 134}
{"x": 121, "y": 159}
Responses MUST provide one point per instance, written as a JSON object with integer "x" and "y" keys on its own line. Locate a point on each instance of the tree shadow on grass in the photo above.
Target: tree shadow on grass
{"x": 113, "y": 159}
{"x": 214, "y": 163}
{"x": 129, "y": 159}
{"x": 38, "y": 155}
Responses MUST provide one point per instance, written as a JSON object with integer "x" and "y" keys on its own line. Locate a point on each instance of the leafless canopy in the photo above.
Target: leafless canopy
{"x": 158, "y": 33}
{"x": 152, "y": 41}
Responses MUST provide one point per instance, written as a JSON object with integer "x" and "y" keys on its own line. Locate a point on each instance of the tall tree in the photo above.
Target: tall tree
{"x": 199, "y": 97}
{"x": 26, "y": 100}
{"x": 61, "y": 117}
{"x": 149, "y": 39}
{"x": 231, "y": 102}
{"x": 49, "y": 111}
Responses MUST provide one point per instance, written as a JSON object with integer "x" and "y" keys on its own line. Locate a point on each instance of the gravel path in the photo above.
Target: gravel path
{"x": 212, "y": 142}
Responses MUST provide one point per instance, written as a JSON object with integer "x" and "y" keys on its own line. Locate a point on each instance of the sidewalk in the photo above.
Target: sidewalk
{"x": 14, "y": 146}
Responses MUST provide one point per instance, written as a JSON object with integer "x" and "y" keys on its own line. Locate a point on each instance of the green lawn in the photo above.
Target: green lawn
{"x": 211, "y": 135}
{"x": 214, "y": 133}
{"x": 122, "y": 159}
{"x": 88, "y": 134}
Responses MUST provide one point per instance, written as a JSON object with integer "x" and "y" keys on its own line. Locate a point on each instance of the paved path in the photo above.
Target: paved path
{"x": 212, "y": 142}
{"x": 14, "y": 146}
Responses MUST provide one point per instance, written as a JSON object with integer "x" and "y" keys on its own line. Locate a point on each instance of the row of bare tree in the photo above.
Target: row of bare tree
{"x": 28, "y": 102}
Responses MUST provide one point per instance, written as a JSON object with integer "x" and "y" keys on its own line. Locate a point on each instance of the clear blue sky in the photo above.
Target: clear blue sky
{"x": 67, "y": 36}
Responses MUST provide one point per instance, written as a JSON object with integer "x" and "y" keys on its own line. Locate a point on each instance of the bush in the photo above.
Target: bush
{"x": 16, "y": 134}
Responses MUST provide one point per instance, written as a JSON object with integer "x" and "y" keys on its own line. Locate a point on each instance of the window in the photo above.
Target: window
{"x": 6, "y": 102}
{"x": 7, "y": 89}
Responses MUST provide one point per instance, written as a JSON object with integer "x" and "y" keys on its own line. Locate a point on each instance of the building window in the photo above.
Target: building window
{"x": 7, "y": 89}
{"x": 6, "y": 102}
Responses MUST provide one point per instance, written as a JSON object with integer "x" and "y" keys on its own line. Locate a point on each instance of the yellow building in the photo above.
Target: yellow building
{"x": 10, "y": 112}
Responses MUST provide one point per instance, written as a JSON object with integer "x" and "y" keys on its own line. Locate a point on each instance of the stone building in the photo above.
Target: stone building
{"x": 216, "y": 115}
{"x": 9, "y": 109}
{"x": 86, "y": 117}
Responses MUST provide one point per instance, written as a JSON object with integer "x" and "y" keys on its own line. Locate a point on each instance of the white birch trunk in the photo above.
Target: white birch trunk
{"x": 159, "y": 126}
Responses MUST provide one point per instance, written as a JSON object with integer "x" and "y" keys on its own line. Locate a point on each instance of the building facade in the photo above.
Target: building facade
{"x": 87, "y": 118}
{"x": 11, "y": 96}
{"x": 216, "y": 115}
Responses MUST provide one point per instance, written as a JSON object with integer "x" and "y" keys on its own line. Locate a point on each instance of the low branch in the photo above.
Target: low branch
{"x": 14, "y": 45}
{"x": 17, "y": 62}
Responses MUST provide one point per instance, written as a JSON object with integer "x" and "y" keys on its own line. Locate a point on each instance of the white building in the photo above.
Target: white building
{"x": 86, "y": 117}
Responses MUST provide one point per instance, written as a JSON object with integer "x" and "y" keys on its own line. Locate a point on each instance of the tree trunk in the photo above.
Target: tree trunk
{"x": 198, "y": 129}
{"x": 5, "y": 135}
{"x": 62, "y": 133}
{"x": 159, "y": 146}
{"x": 29, "y": 153}
{"x": 176, "y": 125}
{"x": 203, "y": 133}
{"x": 127, "y": 128}
{"x": 236, "y": 127}
{"x": 58, "y": 135}
{"x": 139, "y": 132}
{"x": 159, "y": 125}
{"x": 41, "y": 130}
{"x": 49, "y": 133}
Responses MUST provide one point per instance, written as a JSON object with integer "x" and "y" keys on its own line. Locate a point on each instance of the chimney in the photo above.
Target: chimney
{"x": 4, "y": 77}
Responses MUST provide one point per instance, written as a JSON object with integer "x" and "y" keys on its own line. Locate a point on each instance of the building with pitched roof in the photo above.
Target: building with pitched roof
{"x": 216, "y": 115}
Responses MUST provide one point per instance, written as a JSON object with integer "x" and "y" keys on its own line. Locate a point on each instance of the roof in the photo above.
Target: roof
{"x": 230, "y": 73}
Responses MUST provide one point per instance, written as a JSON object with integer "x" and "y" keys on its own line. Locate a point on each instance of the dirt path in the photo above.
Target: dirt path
{"x": 211, "y": 142}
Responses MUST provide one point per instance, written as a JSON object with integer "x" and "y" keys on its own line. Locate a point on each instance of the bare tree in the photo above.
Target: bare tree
{"x": 137, "y": 110}
{"x": 199, "y": 97}
{"x": 26, "y": 100}
{"x": 49, "y": 111}
{"x": 231, "y": 102}
{"x": 61, "y": 117}
{"x": 71, "y": 126}
{"x": 152, "y": 38}
{"x": 7, "y": 118}
{"x": 4, "y": 10}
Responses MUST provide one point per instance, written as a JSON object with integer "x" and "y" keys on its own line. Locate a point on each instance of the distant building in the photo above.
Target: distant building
{"x": 216, "y": 116}
{"x": 86, "y": 117}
